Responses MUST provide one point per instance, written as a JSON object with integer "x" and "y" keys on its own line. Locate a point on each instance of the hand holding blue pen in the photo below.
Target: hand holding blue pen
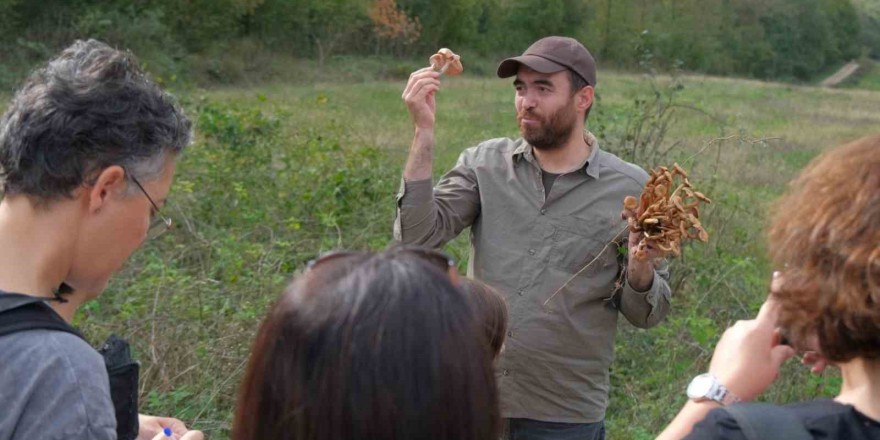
{"x": 167, "y": 434}
{"x": 165, "y": 428}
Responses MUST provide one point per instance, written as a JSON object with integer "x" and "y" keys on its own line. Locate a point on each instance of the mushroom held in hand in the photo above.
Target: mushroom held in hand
{"x": 446, "y": 61}
{"x": 665, "y": 216}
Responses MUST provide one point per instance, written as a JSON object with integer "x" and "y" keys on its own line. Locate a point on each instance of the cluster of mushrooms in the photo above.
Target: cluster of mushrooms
{"x": 667, "y": 211}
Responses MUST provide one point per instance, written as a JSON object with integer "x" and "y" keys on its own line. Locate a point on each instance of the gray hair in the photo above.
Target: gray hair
{"x": 89, "y": 108}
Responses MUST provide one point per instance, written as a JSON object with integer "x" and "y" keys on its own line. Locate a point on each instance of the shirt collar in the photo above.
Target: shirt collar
{"x": 590, "y": 165}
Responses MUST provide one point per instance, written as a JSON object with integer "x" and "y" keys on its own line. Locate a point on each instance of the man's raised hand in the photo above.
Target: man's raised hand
{"x": 419, "y": 96}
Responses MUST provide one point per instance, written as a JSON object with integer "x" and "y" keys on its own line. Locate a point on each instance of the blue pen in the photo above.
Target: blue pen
{"x": 167, "y": 432}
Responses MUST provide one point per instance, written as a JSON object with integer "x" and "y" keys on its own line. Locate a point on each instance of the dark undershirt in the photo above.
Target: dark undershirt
{"x": 825, "y": 419}
{"x": 547, "y": 179}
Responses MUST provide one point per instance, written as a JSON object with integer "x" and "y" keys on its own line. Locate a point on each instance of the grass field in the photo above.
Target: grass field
{"x": 280, "y": 173}
{"x": 869, "y": 79}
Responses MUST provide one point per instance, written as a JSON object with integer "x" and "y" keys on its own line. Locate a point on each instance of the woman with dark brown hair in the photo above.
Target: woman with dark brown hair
{"x": 370, "y": 346}
{"x": 491, "y": 312}
{"x": 825, "y": 238}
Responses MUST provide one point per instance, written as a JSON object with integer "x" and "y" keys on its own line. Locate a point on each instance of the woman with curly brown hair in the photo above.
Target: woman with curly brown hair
{"x": 826, "y": 301}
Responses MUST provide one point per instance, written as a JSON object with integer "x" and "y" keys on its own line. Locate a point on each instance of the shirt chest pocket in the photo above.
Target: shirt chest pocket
{"x": 578, "y": 242}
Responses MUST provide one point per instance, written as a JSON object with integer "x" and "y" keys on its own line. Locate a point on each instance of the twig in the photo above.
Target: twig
{"x": 718, "y": 120}
{"x": 191, "y": 367}
{"x": 727, "y": 138}
{"x": 709, "y": 144}
{"x": 153, "y": 353}
{"x": 219, "y": 388}
{"x": 613, "y": 241}
{"x": 717, "y": 281}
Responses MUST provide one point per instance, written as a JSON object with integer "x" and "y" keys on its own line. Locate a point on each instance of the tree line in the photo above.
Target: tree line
{"x": 767, "y": 39}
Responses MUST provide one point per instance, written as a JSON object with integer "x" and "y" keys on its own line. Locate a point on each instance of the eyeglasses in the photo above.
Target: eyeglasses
{"x": 438, "y": 259}
{"x": 159, "y": 224}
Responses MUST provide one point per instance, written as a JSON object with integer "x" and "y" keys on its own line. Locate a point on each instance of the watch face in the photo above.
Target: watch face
{"x": 700, "y": 386}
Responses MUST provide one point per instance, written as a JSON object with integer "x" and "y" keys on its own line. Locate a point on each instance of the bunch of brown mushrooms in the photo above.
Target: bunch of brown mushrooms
{"x": 667, "y": 216}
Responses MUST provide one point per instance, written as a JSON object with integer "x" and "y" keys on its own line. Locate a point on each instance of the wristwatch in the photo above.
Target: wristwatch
{"x": 706, "y": 387}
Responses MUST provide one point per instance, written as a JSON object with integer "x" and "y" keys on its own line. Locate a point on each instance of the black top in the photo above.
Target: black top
{"x": 825, "y": 419}
{"x": 548, "y": 179}
{"x": 24, "y": 312}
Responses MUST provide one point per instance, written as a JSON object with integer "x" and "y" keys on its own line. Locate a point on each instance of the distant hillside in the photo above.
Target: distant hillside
{"x": 237, "y": 41}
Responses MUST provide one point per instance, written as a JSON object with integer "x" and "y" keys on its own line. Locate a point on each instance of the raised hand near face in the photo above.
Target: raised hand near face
{"x": 419, "y": 96}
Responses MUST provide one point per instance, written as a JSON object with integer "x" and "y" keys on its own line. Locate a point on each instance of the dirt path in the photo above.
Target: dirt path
{"x": 841, "y": 75}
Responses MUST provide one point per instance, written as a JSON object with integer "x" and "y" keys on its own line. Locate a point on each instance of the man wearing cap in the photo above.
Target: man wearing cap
{"x": 545, "y": 218}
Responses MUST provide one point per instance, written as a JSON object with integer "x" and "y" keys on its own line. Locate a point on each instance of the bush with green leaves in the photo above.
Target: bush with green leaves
{"x": 279, "y": 174}
{"x": 250, "y": 208}
{"x": 239, "y": 41}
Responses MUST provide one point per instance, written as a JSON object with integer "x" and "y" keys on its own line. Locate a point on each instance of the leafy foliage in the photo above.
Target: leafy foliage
{"x": 779, "y": 39}
{"x": 279, "y": 174}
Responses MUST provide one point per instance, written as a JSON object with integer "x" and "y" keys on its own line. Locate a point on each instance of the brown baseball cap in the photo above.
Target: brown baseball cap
{"x": 551, "y": 55}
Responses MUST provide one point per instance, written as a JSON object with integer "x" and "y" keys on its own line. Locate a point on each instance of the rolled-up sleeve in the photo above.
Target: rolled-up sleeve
{"x": 431, "y": 217}
{"x": 647, "y": 309}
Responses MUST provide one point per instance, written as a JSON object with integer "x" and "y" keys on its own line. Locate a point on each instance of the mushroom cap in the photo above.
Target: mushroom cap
{"x": 446, "y": 61}
{"x": 436, "y": 61}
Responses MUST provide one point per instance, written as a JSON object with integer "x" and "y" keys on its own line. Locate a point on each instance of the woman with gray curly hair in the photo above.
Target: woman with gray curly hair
{"x": 87, "y": 151}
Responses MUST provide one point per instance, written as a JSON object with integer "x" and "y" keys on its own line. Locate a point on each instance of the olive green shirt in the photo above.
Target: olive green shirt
{"x": 527, "y": 244}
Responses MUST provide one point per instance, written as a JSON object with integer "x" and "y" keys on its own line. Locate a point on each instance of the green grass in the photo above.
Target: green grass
{"x": 869, "y": 79}
{"x": 283, "y": 171}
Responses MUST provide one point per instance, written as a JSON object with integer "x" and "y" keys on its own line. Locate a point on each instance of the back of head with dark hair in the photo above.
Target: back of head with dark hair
{"x": 491, "y": 311}
{"x": 369, "y": 347}
{"x": 89, "y": 108}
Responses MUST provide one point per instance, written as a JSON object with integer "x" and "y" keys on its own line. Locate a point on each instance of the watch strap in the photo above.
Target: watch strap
{"x": 725, "y": 397}
{"x": 717, "y": 392}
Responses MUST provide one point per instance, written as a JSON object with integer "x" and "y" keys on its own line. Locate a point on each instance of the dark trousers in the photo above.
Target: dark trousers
{"x": 528, "y": 429}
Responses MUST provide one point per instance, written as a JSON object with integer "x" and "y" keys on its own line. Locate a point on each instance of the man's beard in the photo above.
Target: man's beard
{"x": 551, "y": 133}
